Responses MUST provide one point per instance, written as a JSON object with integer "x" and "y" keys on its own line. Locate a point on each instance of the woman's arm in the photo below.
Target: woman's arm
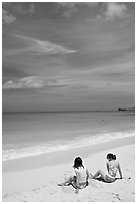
{"x": 87, "y": 172}
{"x": 120, "y": 172}
{"x": 107, "y": 166}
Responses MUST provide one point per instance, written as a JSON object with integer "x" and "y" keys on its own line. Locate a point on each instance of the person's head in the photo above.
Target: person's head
{"x": 78, "y": 163}
{"x": 110, "y": 156}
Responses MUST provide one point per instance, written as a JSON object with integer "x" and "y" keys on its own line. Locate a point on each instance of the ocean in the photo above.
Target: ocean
{"x": 32, "y": 134}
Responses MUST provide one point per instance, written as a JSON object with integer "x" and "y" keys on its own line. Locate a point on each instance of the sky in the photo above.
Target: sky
{"x": 68, "y": 56}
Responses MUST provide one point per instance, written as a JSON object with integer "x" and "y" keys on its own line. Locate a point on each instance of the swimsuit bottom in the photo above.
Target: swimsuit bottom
{"x": 81, "y": 184}
{"x": 110, "y": 179}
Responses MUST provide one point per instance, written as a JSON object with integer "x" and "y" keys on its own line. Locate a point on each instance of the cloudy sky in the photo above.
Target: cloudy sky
{"x": 67, "y": 56}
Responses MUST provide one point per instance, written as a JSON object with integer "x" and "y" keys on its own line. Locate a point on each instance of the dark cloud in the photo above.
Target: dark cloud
{"x": 19, "y": 7}
{"x": 9, "y": 72}
{"x": 11, "y": 9}
{"x": 71, "y": 8}
{"x": 57, "y": 10}
{"x": 79, "y": 86}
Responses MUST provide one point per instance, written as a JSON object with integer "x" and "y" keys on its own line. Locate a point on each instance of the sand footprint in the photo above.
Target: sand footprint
{"x": 117, "y": 197}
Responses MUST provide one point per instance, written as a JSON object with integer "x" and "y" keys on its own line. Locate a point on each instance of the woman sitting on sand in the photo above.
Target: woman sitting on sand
{"x": 112, "y": 166}
{"x": 80, "y": 179}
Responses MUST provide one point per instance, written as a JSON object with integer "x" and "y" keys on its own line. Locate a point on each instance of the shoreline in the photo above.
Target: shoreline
{"x": 55, "y": 158}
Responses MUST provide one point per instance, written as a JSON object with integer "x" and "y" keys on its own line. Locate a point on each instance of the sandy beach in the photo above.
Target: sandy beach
{"x": 68, "y": 91}
{"x": 38, "y": 183}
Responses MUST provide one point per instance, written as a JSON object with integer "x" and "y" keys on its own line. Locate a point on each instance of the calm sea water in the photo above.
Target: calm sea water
{"x": 26, "y": 135}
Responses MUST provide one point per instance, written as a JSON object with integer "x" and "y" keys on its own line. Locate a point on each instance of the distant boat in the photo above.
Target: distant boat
{"x": 127, "y": 109}
{"x": 122, "y": 109}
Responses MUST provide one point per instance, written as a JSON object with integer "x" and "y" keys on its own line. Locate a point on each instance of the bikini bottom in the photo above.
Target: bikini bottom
{"x": 109, "y": 179}
{"x": 82, "y": 184}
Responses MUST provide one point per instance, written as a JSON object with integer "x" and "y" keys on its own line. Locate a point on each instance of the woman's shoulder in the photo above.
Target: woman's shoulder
{"x": 80, "y": 168}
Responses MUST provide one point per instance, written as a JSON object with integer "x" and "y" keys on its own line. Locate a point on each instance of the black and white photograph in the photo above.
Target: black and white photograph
{"x": 68, "y": 101}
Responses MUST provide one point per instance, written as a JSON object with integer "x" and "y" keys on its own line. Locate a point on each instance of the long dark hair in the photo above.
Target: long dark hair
{"x": 78, "y": 163}
{"x": 114, "y": 157}
{"x": 111, "y": 156}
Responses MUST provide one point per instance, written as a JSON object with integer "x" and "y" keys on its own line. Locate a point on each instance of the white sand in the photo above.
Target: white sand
{"x": 40, "y": 184}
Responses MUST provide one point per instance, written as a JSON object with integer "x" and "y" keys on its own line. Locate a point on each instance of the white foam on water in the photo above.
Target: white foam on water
{"x": 83, "y": 141}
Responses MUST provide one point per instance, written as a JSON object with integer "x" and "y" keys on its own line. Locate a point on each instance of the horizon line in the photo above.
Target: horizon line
{"x": 61, "y": 111}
